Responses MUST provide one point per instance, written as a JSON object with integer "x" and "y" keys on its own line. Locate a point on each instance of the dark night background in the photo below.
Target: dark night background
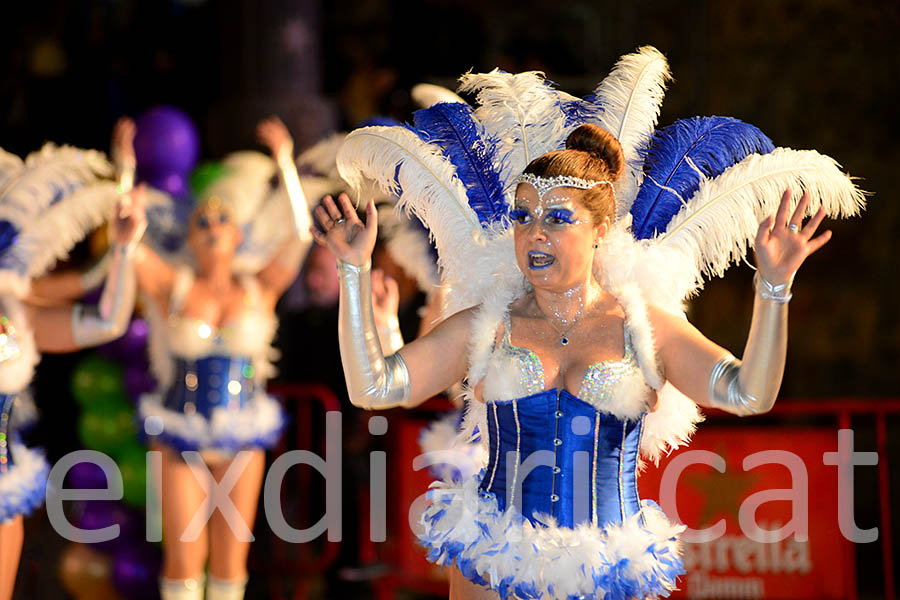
{"x": 819, "y": 74}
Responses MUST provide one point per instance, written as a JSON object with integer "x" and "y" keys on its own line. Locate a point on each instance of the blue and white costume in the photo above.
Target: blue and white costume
{"x": 687, "y": 206}
{"x": 23, "y": 470}
{"x": 556, "y": 511}
{"x": 48, "y": 202}
{"x": 212, "y": 380}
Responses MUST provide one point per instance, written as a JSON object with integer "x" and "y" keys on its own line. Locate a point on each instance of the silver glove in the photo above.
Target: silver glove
{"x": 92, "y": 325}
{"x": 750, "y": 386}
{"x": 374, "y": 381}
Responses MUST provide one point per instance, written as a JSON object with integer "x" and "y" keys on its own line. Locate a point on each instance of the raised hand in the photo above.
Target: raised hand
{"x": 274, "y": 135}
{"x": 343, "y": 233}
{"x": 782, "y": 243}
{"x": 130, "y": 220}
{"x": 385, "y": 299}
{"x": 123, "y": 142}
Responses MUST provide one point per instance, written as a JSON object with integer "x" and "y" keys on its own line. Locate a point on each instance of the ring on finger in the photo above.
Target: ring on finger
{"x": 794, "y": 228}
{"x": 339, "y": 221}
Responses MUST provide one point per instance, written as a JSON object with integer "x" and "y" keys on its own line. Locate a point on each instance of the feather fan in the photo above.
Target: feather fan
{"x": 463, "y": 140}
{"x": 45, "y": 177}
{"x": 630, "y": 98}
{"x": 522, "y": 112}
{"x": 426, "y": 184}
{"x": 680, "y": 157}
{"x": 720, "y": 221}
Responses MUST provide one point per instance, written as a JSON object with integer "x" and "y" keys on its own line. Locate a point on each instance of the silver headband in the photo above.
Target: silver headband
{"x": 545, "y": 184}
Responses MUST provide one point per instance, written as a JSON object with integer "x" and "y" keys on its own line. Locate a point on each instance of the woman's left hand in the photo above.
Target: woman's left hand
{"x": 130, "y": 220}
{"x": 273, "y": 134}
{"x": 783, "y": 244}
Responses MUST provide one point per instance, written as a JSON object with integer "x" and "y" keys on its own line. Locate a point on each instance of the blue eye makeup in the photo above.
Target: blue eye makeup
{"x": 519, "y": 216}
{"x": 202, "y": 222}
{"x": 223, "y": 218}
{"x": 561, "y": 216}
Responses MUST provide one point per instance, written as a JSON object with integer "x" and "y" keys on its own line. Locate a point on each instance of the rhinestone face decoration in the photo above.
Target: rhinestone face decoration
{"x": 545, "y": 184}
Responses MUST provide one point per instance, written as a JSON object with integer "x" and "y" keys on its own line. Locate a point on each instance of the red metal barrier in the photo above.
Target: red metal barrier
{"x": 843, "y": 410}
{"x": 295, "y": 563}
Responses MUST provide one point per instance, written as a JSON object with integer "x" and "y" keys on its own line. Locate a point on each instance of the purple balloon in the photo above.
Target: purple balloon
{"x": 138, "y": 381}
{"x": 136, "y": 571}
{"x": 131, "y": 347}
{"x": 166, "y": 142}
{"x": 96, "y": 514}
{"x": 86, "y": 476}
{"x": 174, "y": 184}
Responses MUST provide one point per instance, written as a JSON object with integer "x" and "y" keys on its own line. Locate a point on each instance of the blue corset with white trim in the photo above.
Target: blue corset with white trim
{"x": 6, "y": 435}
{"x": 555, "y": 454}
{"x": 204, "y": 384}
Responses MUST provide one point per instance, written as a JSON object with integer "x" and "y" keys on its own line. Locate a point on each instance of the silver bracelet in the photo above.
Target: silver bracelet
{"x": 767, "y": 290}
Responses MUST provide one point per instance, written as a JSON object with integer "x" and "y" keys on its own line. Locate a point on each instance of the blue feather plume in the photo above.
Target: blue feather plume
{"x": 676, "y": 152}
{"x": 453, "y": 127}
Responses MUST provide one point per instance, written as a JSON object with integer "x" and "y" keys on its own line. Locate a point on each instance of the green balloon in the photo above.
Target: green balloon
{"x": 106, "y": 428}
{"x": 132, "y": 462}
{"x": 96, "y": 379}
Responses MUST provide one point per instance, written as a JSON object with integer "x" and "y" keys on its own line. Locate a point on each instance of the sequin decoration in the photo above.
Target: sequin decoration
{"x": 601, "y": 379}
{"x": 6, "y": 405}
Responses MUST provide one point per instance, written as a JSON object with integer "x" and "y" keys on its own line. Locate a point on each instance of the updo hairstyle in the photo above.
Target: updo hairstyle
{"x": 591, "y": 153}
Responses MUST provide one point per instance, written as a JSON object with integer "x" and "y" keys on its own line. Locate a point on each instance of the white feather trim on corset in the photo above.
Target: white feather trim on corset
{"x": 25, "y": 412}
{"x": 458, "y": 460}
{"x": 669, "y": 425}
{"x": 258, "y": 423}
{"x": 720, "y": 221}
{"x": 523, "y": 112}
{"x": 506, "y": 550}
{"x": 631, "y": 97}
{"x": 22, "y": 488}
{"x": 16, "y": 373}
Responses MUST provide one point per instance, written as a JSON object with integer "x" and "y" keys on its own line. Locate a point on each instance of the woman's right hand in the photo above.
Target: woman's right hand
{"x": 343, "y": 233}
{"x": 123, "y": 141}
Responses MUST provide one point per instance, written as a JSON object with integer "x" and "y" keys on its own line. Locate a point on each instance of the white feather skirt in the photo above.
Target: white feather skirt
{"x": 258, "y": 423}
{"x": 22, "y": 487}
{"x": 638, "y": 558}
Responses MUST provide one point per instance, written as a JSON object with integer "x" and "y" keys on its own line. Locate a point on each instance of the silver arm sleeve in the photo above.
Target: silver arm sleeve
{"x": 390, "y": 336}
{"x": 750, "y": 386}
{"x": 92, "y": 325}
{"x": 374, "y": 381}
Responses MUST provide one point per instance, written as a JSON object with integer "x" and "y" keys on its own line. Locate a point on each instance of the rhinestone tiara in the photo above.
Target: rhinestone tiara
{"x": 545, "y": 184}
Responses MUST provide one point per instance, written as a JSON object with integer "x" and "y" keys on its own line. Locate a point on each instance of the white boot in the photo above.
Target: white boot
{"x": 221, "y": 589}
{"x": 181, "y": 589}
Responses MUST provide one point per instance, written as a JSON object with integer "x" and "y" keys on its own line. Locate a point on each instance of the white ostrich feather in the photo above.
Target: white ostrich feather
{"x": 245, "y": 186}
{"x": 630, "y": 97}
{"x": 428, "y": 187}
{"x": 523, "y": 112}
{"x": 428, "y": 94}
{"x": 321, "y": 158}
{"x": 65, "y": 224}
{"x": 720, "y": 221}
{"x": 409, "y": 248}
{"x": 27, "y": 188}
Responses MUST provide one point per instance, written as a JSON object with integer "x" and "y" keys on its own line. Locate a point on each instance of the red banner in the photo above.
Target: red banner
{"x": 767, "y": 507}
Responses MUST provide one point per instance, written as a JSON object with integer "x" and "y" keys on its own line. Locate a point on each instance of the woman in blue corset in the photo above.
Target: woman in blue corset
{"x": 571, "y": 368}
{"x": 213, "y": 323}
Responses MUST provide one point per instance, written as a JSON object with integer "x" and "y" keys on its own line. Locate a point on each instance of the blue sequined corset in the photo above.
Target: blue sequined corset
{"x": 541, "y": 444}
{"x": 6, "y": 435}
{"x": 202, "y": 384}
